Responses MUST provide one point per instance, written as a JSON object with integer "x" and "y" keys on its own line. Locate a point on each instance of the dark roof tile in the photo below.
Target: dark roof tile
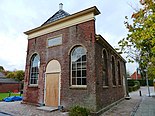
{"x": 58, "y": 15}
{"x": 7, "y": 80}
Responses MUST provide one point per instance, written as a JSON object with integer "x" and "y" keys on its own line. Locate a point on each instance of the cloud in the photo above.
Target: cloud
{"x": 13, "y": 50}
{"x": 18, "y": 16}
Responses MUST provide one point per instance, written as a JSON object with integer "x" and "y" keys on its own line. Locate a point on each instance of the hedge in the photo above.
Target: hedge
{"x": 131, "y": 82}
{"x": 133, "y": 85}
{"x": 142, "y": 82}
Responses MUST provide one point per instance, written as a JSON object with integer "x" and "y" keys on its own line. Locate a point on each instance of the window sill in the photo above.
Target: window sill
{"x": 105, "y": 87}
{"x": 33, "y": 85}
{"x": 78, "y": 87}
{"x": 53, "y": 46}
{"x": 114, "y": 86}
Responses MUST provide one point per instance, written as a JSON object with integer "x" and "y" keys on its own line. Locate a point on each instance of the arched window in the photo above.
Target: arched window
{"x": 34, "y": 70}
{"x": 119, "y": 73}
{"x": 104, "y": 68}
{"x": 113, "y": 71}
{"x": 78, "y": 66}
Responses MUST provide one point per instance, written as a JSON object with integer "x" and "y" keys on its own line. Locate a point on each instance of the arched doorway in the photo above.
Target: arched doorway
{"x": 52, "y": 83}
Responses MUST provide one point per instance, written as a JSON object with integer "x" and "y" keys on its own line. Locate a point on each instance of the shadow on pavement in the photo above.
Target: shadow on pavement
{"x": 5, "y": 114}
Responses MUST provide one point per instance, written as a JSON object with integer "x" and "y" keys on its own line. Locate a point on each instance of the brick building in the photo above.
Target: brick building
{"x": 68, "y": 64}
{"x": 135, "y": 76}
{"x": 8, "y": 84}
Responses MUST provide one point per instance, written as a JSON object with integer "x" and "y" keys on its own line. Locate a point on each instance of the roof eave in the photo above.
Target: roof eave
{"x": 100, "y": 38}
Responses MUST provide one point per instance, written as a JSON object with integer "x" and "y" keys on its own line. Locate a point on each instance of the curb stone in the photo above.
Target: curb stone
{"x": 136, "y": 108}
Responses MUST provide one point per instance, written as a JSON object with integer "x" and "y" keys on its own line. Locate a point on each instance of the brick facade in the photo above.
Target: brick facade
{"x": 94, "y": 96}
{"x": 6, "y": 87}
{"x": 107, "y": 95}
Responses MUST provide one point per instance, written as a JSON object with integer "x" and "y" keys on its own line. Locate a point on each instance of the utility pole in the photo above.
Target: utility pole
{"x": 146, "y": 70}
{"x": 147, "y": 81}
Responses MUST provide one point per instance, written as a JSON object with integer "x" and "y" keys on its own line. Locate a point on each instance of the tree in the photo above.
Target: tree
{"x": 10, "y": 75}
{"x": 141, "y": 37}
{"x": 18, "y": 75}
{"x": 1, "y": 68}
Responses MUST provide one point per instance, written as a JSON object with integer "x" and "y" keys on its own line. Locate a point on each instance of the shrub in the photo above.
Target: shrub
{"x": 131, "y": 82}
{"x": 137, "y": 83}
{"x": 79, "y": 111}
{"x": 133, "y": 85}
{"x": 130, "y": 89}
{"x": 143, "y": 82}
{"x": 150, "y": 82}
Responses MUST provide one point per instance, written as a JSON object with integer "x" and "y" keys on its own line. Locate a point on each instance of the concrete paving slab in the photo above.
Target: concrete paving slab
{"x": 45, "y": 108}
{"x": 147, "y": 106}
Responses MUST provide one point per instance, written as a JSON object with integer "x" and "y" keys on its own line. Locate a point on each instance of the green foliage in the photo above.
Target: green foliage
{"x": 18, "y": 75}
{"x": 130, "y": 88}
{"x": 151, "y": 70}
{"x": 10, "y": 75}
{"x": 150, "y": 82}
{"x": 133, "y": 85}
{"x": 139, "y": 45}
{"x": 79, "y": 111}
{"x": 4, "y": 95}
{"x": 142, "y": 82}
{"x": 137, "y": 83}
{"x": 1, "y": 68}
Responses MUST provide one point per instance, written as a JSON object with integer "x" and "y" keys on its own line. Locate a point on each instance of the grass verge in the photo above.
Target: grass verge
{"x": 4, "y": 95}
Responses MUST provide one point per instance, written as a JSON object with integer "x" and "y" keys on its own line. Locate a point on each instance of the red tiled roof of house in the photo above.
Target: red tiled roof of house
{"x": 135, "y": 76}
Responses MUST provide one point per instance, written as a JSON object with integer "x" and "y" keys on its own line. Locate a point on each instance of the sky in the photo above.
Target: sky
{"x": 18, "y": 16}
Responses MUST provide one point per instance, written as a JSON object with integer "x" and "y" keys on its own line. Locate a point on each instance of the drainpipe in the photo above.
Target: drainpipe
{"x": 127, "y": 97}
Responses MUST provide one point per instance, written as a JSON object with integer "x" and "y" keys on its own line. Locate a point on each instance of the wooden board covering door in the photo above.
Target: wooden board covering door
{"x": 52, "y": 90}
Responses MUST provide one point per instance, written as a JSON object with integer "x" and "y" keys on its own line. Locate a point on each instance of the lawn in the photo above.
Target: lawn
{"x": 3, "y": 95}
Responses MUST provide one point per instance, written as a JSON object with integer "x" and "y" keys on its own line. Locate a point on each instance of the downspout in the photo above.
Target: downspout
{"x": 127, "y": 97}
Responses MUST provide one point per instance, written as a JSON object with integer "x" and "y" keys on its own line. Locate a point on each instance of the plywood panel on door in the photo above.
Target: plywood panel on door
{"x": 52, "y": 89}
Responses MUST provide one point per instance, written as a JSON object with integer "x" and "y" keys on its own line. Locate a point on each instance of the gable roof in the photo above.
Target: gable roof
{"x": 66, "y": 21}
{"x": 58, "y": 15}
{"x": 8, "y": 80}
{"x": 3, "y": 79}
{"x": 135, "y": 75}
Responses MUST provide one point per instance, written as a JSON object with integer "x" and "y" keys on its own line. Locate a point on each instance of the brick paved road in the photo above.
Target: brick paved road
{"x": 18, "y": 109}
{"x": 129, "y": 107}
{"x": 124, "y": 108}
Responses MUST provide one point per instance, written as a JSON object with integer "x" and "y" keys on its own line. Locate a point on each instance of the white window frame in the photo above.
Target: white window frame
{"x": 32, "y": 59}
{"x": 54, "y": 41}
{"x": 71, "y": 62}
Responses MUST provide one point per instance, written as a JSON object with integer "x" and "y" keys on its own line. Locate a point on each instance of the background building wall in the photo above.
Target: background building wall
{"x": 6, "y": 87}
